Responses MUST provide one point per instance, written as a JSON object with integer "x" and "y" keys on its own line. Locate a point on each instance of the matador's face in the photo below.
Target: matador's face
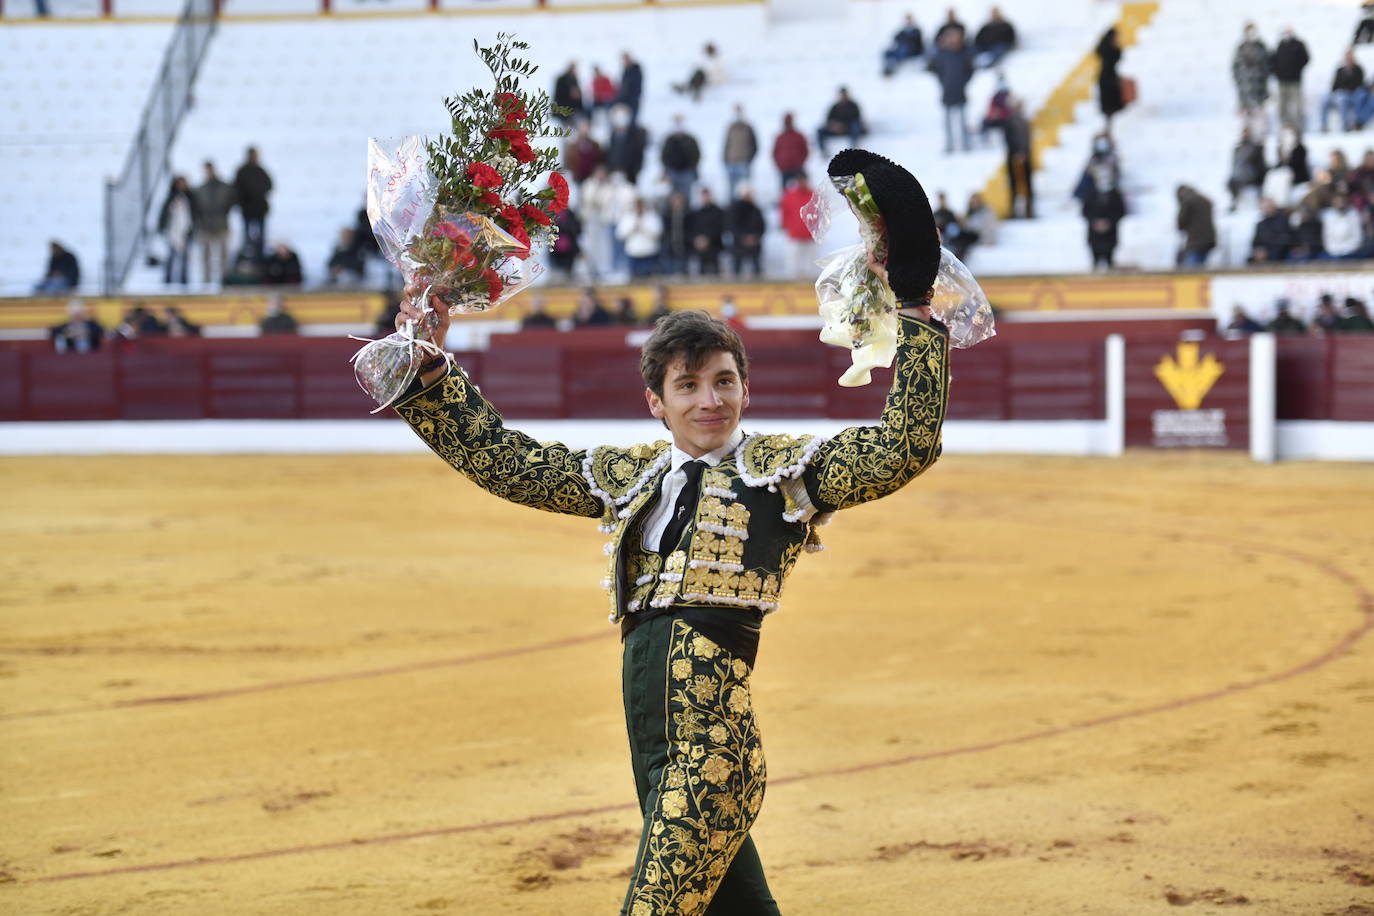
{"x": 701, "y": 408}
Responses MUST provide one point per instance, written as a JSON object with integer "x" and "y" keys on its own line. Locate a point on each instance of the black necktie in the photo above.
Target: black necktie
{"x": 684, "y": 508}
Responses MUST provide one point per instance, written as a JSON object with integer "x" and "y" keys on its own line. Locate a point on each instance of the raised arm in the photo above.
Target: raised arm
{"x": 462, "y": 428}
{"x": 864, "y": 463}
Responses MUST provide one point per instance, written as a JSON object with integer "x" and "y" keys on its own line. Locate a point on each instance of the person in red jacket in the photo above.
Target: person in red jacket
{"x": 790, "y": 150}
{"x": 800, "y": 246}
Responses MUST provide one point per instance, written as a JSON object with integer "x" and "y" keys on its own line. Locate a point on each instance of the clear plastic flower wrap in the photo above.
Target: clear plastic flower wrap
{"x": 455, "y": 216}
{"x": 858, "y": 307}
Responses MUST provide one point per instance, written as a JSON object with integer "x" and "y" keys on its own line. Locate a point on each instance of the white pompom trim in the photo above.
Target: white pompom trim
{"x": 716, "y": 565}
{"x": 772, "y": 480}
{"x": 611, "y": 502}
{"x": 720, "y": 492}
{"x": 722, "y": 529}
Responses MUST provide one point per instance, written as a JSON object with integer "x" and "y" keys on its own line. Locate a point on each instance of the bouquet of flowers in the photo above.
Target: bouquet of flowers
{"x": 859, "y": 308}
{"x": 457, "y": 214}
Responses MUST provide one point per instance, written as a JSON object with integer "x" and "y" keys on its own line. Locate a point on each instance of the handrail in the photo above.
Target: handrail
{"x": 128, "y": 197}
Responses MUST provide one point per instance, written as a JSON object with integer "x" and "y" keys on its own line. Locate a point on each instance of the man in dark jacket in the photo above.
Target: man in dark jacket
{"x": 680, "y": 156}
{"x": 949, "y": 26}
{"x": 708, "y": 230}
{"x": 741, "y": 146}
{"x": 631, "y": 85}
{"x": 214, "y": 199}
{"x": 1345, "y": 87}
{"x": 744, "y": 220}
{"x": 994, "y": 39}
{"x": 1287, "y": 63}
{"x": 63, "y": 273}
{"x": 1020, "y": 164}
{"x": 567, "y": 92}
{"x": 1103, "y": 209}
{"x": 676, "y": 244}
{"x": 952, "y": 64}
{"x": 842, "y": 120}
{"x": 1197, "y": 225}
{"x": 1247, "y": 167}
{"x": 625, "y": 145}
{"x": 252, "y": 184}
{"x": 1273, "y": 235}
{"x": 906, "y": 44}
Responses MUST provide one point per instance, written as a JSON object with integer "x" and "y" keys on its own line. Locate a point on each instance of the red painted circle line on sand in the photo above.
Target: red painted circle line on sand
{"x": 1364, "y": 604}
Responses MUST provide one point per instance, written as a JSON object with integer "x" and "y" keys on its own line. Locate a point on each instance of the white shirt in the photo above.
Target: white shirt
{"x": 656, "y": 522}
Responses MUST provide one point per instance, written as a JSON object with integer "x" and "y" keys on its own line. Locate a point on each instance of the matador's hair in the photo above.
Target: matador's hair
{"x": 691, "y": 335}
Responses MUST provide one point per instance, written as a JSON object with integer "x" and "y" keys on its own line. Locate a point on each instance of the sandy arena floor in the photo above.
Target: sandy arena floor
{"x": 356, "y": 685}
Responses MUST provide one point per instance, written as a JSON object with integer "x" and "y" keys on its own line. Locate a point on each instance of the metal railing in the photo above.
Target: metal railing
{"x": 128, "y": 197}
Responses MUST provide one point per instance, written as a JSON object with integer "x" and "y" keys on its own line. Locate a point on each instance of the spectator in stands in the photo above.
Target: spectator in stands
{"x": 1108, "y": 80}
{"x": 947, "y": 222}
{"x": 1103, "y": 210}
{"x": 1361, "y": 182}
{"x": 345, "y": 259}
{"x": 1290, "y": 169}
{"x": 536, "y": 317}
{"x": 625, "y": 313}
{"x": 1273, "y": 235}
{"x": 1020, "y": 165}
{"x": 1284, "y": 323}
{"x": 979, "y": 225}
{"x": 604, "y": 91}
{"x": 363, "y": 236}
{"x": 709, "y": 72}
{"x": 999, "y": 106}
{"x": 603, "y": 201}
{"x": 1103, "y": 169}
{"x": 63, "y": 273}
{"x": 950, "y": 26}
{"x": 1356, "y": 318}
{"x": 1342, "y": 230}
{"x": 1339, "y": 167}
{"x": 1321, "y": 190}
{"x": 1348, "y": 81}
{"x": 641, "y": 231}
{"x": 680, "y": 156}
{"x": 660, "y": 306}
{"x": 581, "y": 154}
{"x": 1287, "y": 63}
{"x": 177, "y": 324}
{"x": 177, "y": 221}
{"x": 80, "y": 333}
{"x": 1364, "y": 105}
{"x": 729, "y": 312}
{"x": 1307, "y": 236}
{"x": 790, "y": 150}
{"x": 1250, "y": 72}
{"x": 1247, "y": 167}
{"x": 277, "y": 320}
{"x": 567, "y": 93}
{"x": 741, "y": 146}
{"x": 568, "y": 246}
{"x": 244, "y": 271}
{"x": 214, "y": 199}
{"x": 1241, "y": 324}
{"x": 1328, "y": 318}
{"x": 590, "y": 312}
{"x": 994, "y": 39}
{"x": 801, "y": 246}
{"x": 1196, "y": 223}
{"x": 744, "y": 221}
{"x": 675, "y": 249}
{"x": 252, "y": 184}
{"x": 708, "y": 234}
{"x": 625, "y": 145}
{"x": 282, "y": 267}
{"x": 1364, "y": 31}
{"x": 952, "y": 64}
{"x": 139, "y": 322}
{"x": 631, "y": 86}
{"x": 844, "y": 119}
{"x": 906, "y": 45}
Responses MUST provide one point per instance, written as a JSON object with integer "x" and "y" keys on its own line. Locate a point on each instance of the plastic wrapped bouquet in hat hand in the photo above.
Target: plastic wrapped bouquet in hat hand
{"x": 898, "y": 230}
{"x": 460, "y": 215}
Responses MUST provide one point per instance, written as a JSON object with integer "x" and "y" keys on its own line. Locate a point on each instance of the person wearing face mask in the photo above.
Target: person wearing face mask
{"x": 625, "y": 145}
{"x": 1287, "y": 63}
{"x": 1250, "y": 71}
{"x": 1103, "y": 168}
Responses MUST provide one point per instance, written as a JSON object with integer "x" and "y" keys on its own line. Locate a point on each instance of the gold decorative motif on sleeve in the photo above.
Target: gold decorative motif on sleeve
{"x": 864, "y": 463}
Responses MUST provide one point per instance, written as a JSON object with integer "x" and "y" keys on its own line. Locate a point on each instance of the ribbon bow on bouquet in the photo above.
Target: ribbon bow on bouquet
{"x": 898, "y": 230}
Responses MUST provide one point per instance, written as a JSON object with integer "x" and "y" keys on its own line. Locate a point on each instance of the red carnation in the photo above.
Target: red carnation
{"x": 521, "y": 151}
{"x": 484, "y": 176}
{"x": 560, "y": 192}
{"x": 491, "y": 199}
{"x": 494, "y": 284}
{"x": 509, "y": 134}
{"x": 535, "y": 215}
{"x": 449, "y": 230}
{"x": 511, "y": 106}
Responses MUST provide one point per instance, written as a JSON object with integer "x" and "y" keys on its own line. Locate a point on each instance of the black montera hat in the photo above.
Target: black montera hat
{"x": 913, "y": 242}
